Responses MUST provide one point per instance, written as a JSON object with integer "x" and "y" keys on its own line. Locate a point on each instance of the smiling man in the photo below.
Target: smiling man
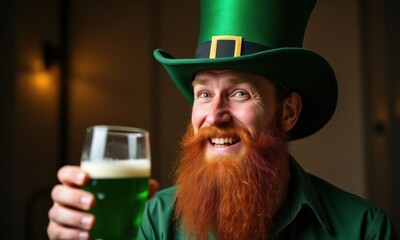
{"x": 233, "y": 175}
{"x": 254, "y": 89}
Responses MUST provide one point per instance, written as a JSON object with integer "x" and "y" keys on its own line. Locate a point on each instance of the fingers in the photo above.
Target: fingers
{"x": 72, "y": 175}
{"x": 56, "y": 231}
{"x": 69, "y": 217}
{"x": 73, "y": 197}
{"x": 66, "y": 223}
{"x": 153, "y": 187}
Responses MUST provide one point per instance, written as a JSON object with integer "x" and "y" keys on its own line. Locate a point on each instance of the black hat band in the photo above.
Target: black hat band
{"x": 227, "y": 46}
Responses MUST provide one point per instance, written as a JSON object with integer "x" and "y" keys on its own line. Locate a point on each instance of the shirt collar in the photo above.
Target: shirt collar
{"x": 302, "y": 194}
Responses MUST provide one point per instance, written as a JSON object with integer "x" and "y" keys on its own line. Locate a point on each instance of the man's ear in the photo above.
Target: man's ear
{"x": 291, "y": 108}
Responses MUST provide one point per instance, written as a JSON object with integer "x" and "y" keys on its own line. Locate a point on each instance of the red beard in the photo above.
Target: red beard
{"x": 234, "y": 196}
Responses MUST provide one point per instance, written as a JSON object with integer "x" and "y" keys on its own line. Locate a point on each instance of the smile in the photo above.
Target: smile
{"x": 223, "y": 142}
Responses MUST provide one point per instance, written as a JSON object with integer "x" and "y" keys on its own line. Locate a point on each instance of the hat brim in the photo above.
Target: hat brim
{"x": 298, "y": 69}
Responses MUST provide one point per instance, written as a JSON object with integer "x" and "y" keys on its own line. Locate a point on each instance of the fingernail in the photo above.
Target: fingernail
{"x": 87, "y": 221}
{"x": 80, "y": 176}
{"x": 85, "y": 200}
{"x": 83, "y": 235}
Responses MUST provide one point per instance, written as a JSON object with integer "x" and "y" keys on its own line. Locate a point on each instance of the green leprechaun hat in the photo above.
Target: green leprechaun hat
{"x": 263, "y": 37}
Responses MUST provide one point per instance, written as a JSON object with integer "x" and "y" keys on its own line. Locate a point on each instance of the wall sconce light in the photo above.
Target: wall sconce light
{"x": 51, "y": 55}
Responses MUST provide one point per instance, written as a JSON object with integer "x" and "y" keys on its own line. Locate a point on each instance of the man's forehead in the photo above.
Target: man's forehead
{"x": 232, "y": 76}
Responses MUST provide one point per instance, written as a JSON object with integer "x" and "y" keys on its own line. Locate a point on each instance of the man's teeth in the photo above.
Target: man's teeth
{"x": 222, "y": 140}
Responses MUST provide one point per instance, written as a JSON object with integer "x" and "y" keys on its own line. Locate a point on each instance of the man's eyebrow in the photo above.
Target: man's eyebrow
{"x": 198, "y": 81}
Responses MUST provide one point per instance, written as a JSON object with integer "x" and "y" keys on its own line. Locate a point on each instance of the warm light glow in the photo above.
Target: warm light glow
{"x": 42, "y": 80}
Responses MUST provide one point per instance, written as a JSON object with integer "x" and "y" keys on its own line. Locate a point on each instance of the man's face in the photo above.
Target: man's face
{"x": 233, "y": 170}
{"x": 232, "y": 98}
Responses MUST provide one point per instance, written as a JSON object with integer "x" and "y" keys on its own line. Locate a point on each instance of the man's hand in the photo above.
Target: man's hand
{"x": 68, "y": 219}
{"x": 68, "y": 216}
{"x": 153, "y": 187}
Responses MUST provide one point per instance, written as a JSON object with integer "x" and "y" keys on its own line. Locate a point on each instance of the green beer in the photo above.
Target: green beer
{"x": 121, "y": 190}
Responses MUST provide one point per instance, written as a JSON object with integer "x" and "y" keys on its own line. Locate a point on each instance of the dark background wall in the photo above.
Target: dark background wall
{"x": 105, "y": 74}
{"x": 7, "y": 88}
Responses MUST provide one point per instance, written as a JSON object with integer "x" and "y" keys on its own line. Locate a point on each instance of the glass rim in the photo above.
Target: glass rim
{"x": 118, "y": 129}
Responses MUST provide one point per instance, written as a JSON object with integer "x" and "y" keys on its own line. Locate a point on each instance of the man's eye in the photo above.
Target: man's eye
{"x": 240, "y": 94}
{"x": 204, "y": 95}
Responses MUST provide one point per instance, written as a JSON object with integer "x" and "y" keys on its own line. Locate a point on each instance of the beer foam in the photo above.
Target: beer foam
{"x": 131, "y": 168}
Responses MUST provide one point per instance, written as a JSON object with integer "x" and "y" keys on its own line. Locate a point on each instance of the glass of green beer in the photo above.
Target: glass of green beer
{"x": 117, "y": 160}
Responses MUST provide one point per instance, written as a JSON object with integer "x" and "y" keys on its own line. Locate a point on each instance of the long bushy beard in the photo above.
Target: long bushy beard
{"x": 233, "y": 196}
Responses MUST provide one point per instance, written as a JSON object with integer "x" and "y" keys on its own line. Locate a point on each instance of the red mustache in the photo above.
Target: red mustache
{"x": 204, "y": 135}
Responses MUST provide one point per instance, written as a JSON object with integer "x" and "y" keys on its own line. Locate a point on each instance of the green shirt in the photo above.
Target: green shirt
{"x": 314, "y": 209}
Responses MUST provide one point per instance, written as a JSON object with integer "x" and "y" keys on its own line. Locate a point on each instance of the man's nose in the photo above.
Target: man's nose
{"x": 218, "y": 114}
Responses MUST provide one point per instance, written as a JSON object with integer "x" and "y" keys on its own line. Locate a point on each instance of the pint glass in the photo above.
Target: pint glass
{"x": 118, "y": 162}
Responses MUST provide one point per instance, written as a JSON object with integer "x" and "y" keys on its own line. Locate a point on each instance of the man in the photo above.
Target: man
{"x": 253, "y": 89}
